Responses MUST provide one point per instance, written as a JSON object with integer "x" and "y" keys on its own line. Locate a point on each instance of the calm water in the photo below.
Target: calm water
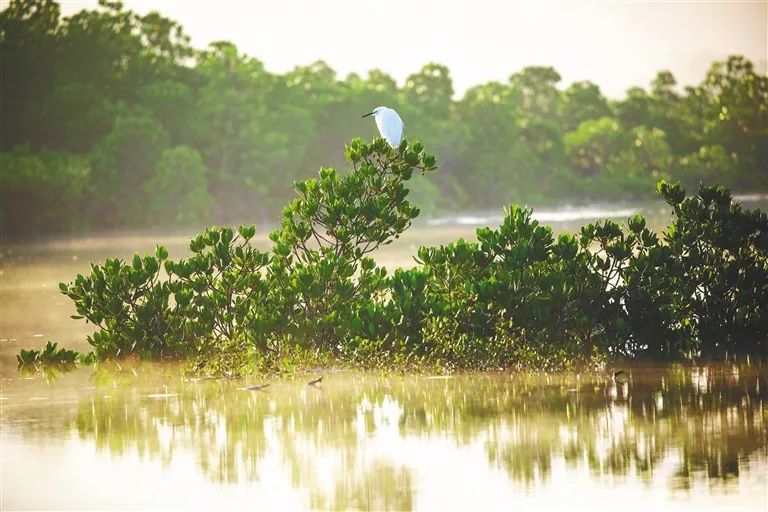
{"x": 147, "y": 437}
{"x": 144, "y": 437}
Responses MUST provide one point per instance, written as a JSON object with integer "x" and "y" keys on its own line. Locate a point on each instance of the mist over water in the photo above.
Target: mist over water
{"x": 565, "y": 214}
{"x": 657, "y": 212}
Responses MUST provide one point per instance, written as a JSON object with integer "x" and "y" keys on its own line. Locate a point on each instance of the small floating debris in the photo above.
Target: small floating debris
{"x": 36, "y": 398}
{"x": 37, "y": 335}
{"x": 162, "y": 395}
{"x": 315, "y": 382}
{"x": 621, "y": 377}
{"x": 440, "y": 377}
{"x": 255, "y": 388}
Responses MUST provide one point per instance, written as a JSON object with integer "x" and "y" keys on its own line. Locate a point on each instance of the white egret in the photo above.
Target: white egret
{"x": 389, "y": 123}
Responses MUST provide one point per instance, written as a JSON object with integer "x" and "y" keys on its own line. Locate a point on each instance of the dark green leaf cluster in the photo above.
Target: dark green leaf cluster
{"x": 327, "y": 232}
{"x": 517, "y": 296}
{"x": 220, "y": 292}
{"x": 715, "y": 263}
{"x": 130, "y": 303}
{"x": 51, "y": 354}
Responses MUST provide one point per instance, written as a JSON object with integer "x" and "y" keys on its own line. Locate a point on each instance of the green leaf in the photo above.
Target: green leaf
{"x": 161, "y": 253}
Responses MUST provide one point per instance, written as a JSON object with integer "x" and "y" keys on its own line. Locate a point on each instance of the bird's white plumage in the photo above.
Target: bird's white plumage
{"x": 389, "y": 124}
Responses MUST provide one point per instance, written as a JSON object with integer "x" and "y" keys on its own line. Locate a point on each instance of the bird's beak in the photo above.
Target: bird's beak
{"x": 368, "y": 114}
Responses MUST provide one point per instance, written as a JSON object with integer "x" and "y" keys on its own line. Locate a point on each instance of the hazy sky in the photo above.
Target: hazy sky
{"x": 615, "y": 44}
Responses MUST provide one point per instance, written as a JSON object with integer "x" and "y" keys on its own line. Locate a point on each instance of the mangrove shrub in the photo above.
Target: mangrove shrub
{"x": 517, "y": 296}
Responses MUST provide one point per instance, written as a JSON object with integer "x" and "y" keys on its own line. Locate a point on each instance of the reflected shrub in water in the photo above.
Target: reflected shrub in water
{"x": 703, "y": 423}
{"x": 516, "y": 297}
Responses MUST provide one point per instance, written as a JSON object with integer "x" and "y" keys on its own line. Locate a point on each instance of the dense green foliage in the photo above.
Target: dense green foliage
{"x": 107, "y": 113}
{"x": 51, "y": 354}
{"x": 229, "y": 299}
{"x": 517, "y": 297}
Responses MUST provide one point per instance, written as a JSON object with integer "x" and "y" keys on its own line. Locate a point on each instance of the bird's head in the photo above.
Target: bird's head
{"x": 375, "y": 111}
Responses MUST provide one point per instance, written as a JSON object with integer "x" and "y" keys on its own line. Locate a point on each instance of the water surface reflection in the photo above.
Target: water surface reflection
{"x": 691, "y": 435}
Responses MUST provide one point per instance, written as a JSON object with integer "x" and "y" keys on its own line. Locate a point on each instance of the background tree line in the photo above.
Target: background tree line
{"x": 111, "y": 119}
